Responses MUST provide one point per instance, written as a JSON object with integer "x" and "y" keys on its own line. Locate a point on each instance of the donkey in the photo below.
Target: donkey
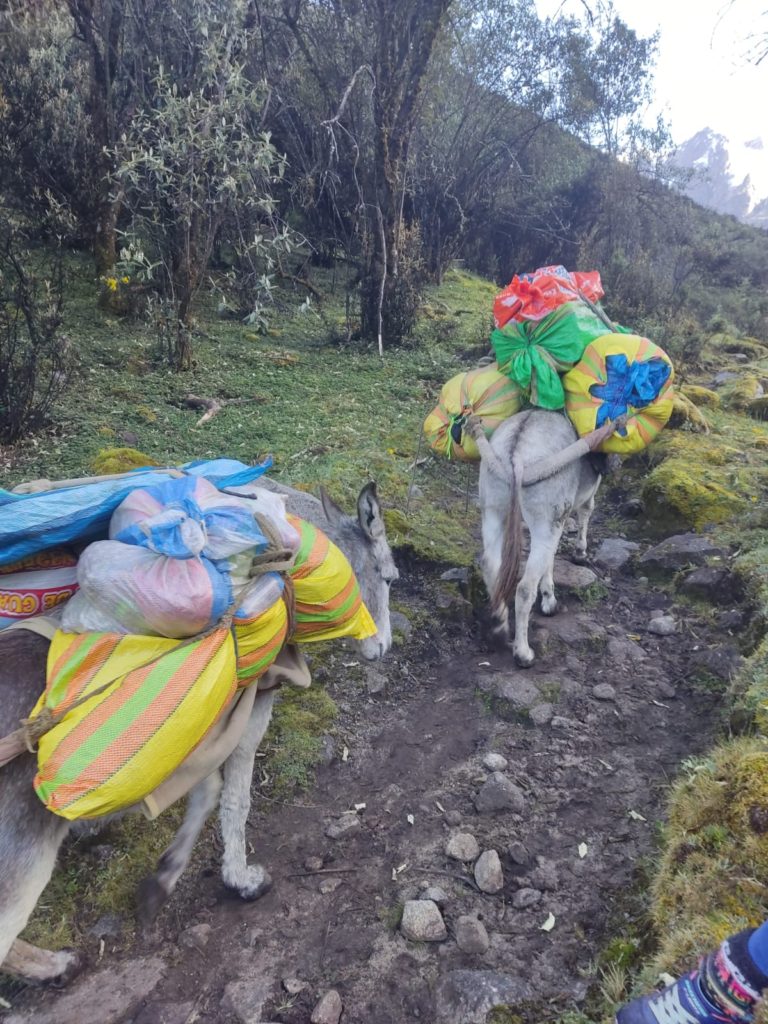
{"x": 531, "y": 439}
{"x": 30, "y": 836}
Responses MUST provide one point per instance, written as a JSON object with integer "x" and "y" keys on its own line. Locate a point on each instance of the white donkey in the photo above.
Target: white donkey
{"x": 533, "y": 470}
{"x": 30, "y": 836}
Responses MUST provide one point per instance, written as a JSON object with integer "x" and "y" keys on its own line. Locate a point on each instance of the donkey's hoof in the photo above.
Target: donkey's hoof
{"x": 524, "y": 659}
{"x": 256, "y": 883}
{"x": 73, "y": 964}
{"x": 150, "y": 898}
{"x": 548, "y": 605}
{"x": 580, "y": 558}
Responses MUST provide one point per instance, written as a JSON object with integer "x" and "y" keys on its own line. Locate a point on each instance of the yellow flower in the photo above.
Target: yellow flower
{"x": 125, "y": 280}
{"x": 111, "y": 283}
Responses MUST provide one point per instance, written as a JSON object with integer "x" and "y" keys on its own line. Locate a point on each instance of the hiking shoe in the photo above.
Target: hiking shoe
{"x": 681, "y": 1003}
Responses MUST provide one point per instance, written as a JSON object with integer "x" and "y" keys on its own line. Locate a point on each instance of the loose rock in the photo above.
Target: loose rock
{"x": 545, "y": 875}
{"x": 677, "y": 552}
{"x": 313, "y": 864}
{"x": 712, "y": 584}
{"x": 329, "y": 885}
{"x": 195, "y": 937}
{"x": 423, "y": 922}
{"x": 604, "y": 691}
{"x": 328, "y": 1010}
{"x": 346, "y": 823}
{"x": 499, "y": 794}
{"x": 495, "y": 762}
{"x": 246, "y": 998}
{"x": 468, "y": 996}
{"x": 614, "y": 553}
{"x": 541, "y": 714}
{"x": 664, "y": 625}
{"x": 462, "y": 846}
{"x": 488, "y": 873}
{"x": 294, "y": 985}
{"x": 471, "y": 935}
{"x": 525, "y": 898}
{"x": 518, "y": 853}
{"x": 436, "y": 894}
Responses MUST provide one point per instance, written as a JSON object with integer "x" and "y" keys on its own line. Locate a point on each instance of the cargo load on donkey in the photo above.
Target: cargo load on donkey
{"x": 556, "y": 349}
{"x": 191, "y": 584}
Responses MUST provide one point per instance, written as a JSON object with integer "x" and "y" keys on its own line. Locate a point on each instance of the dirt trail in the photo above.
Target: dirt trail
{"x": 591, "y": 765}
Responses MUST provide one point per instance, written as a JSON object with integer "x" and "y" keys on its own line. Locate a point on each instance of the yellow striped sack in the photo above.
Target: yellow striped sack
{"x": 490, "y": 395}
{"x": 109, "y": 752}
{"x": 621, "y": 374}
{"x": 164, "y": 695}
{"x": 328, "y": 599}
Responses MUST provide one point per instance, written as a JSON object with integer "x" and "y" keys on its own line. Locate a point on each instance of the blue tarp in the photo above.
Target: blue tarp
{"x": 33, "y": 522}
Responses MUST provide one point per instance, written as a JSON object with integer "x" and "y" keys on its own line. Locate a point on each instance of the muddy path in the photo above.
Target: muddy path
{"x": 589, "y": 737}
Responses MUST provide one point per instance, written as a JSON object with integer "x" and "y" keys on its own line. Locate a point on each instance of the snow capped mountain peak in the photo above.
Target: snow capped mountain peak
{"x": 730, "y": 176}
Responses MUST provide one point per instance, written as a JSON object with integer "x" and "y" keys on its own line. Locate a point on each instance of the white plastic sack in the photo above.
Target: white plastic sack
{"x": 272, "y": 506}
{"x": 128, "y": 589}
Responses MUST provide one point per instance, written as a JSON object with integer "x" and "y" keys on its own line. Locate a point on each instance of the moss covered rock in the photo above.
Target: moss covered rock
{"x": 680, "y": 496}
{"x": 701, "y": 396}
{"x": 686, "y": 415}
{"x": 119, "y": 460}
{"x": 740, "y": 393}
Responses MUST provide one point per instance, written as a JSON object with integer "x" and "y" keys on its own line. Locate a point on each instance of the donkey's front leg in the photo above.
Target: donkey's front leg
{"x": 249, "y": 882}
{"x": 583, "y": 515}
{"x": 155, "y": 890}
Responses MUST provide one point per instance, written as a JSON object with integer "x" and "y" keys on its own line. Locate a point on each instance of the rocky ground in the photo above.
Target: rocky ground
{"x": 476, "y": 833}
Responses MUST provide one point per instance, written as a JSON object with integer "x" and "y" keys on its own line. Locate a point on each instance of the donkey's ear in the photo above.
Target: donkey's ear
{"x": 333, "y": 513}
{"x": 369, "y": 511}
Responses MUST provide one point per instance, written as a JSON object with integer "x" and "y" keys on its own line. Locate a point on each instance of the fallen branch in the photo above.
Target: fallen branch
{"x": 213, "y": 406}
{"x": 324, "y": 871}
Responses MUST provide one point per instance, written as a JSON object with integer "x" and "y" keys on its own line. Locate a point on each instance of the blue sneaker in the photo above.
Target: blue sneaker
{"x": 681, "y": 1003}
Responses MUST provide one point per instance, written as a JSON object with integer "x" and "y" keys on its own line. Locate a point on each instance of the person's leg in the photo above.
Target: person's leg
{"x": 724, "y": 990}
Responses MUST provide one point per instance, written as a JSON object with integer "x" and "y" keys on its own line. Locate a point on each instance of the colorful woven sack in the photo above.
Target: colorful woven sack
{"x": 36, "y": 584}
{"x": 110, "y": 751}
{"x": 534, "y": 296}
{"x": 485, "y": 392}
{"x": 621, "y": 374}
{"x": 327, "y": 594}
{"x": 261, "y": 628}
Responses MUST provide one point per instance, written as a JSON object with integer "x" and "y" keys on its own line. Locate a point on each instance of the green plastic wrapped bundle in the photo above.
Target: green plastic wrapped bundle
{"x": 535, "y": 353}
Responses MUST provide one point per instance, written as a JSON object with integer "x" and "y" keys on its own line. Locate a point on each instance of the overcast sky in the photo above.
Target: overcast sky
{"x": 703, "y": 77}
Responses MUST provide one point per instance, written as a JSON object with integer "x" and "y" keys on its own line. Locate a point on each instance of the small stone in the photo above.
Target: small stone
{"x": 401, "y": 623}
{"x": 246, "y": 998}
{"x": 343, "y": 825}
{"x": 575, "y": 578}
{"x": 561, "y": 722}
{"x": 375, "y": 682}
{"x": 679, "y": 552}
{"x": 495, "y": 762}
{"x": 545, "y": 876}
{"x": 329, "y": 885}
{"x": 423, "y": 922}
{"x": 614, "y": 553}
{"x": 108, "y": 926}
{"x": 633, "y": 508}
{"x": 666, "y": 689}
{"x": 708, "y": 583}
{"x": 327, "y": 750}
{"x": 471, "y": 935}
{"x": 525, "y": 898}
{"x": 453, "y": 817}
{"x": 462, "y": 846}
{"x": 488, "y": 873}
{"x": 294, "y": 985}
{"x": 195, "y": 937}
{"x": 328, "y": 1010}
{"x": 436, "y": 894}
{"x": 664, "y": 625}
{"x": 498, "y": 793}
{"x": 518, "y": 853}
{"x": 541, "y": 714}
{"x": 739, "y": 357}
{"x": 458, "y": 575}
{"x": 313, "y": 864}
{"x": 604, "y": 691}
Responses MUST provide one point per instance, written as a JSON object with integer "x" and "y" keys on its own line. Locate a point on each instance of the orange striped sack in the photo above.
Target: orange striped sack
{"x": 112, "y": 750}
{"x": 328, "y": 599}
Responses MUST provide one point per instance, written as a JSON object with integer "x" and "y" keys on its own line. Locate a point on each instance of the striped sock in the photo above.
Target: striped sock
{"x": 731, "y": 980}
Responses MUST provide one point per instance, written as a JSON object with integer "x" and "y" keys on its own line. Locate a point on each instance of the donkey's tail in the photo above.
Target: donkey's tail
{"x": 511, "y": 473}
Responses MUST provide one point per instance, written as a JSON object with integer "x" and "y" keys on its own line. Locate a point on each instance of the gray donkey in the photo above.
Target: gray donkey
{"x": 30, "y": 836}
{"x": 533, "y": 470}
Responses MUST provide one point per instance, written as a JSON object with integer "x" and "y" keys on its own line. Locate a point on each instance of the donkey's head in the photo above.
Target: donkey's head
{"x": 363, "y": 539}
